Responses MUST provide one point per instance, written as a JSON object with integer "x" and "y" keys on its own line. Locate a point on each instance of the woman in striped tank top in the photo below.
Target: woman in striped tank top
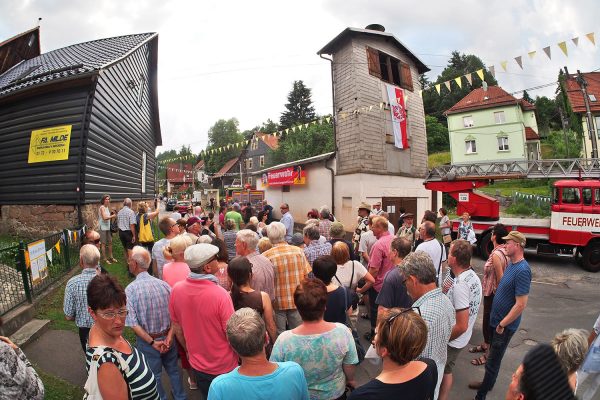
{"x": 122, "y": 371}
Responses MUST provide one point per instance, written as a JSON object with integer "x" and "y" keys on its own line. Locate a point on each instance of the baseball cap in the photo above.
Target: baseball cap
{"x": 198, "y": 255}
{"x": 516, "y": 236}
{"x": 192, "y": 220}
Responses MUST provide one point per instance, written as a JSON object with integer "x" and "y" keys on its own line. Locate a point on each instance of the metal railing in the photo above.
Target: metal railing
{"x": 561, "y": 168}
{"x": 23, "y": 279}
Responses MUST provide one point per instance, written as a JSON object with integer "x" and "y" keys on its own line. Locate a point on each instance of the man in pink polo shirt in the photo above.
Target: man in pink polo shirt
{"x": 380, "y": 263}
{"x": 200, "y": 309}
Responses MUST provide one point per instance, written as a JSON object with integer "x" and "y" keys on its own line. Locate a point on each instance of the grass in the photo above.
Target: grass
{"x": 437, "y": 159}
{"x": 547, "y": 151}
{"x": 58, "y": 389}
{"x": 508, "y": 187}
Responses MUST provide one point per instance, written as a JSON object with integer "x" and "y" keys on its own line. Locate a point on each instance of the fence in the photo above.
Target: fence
{"x": 28, "y": 268}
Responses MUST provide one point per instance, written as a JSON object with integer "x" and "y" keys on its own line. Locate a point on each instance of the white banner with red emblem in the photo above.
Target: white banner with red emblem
{"x": 398, "y": 112}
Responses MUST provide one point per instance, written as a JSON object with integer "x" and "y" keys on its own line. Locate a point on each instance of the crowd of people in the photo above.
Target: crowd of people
{"x": 252, "y": 309}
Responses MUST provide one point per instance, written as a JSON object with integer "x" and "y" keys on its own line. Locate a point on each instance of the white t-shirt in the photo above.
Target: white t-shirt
{"x": 391, "y": 228}
{"x": 176, "y": 216}
{"x": 344, "y": 273}
{"x": 367, "y": 240}
{"x": 465, "y": 292}
{"x": 433, "y": 248}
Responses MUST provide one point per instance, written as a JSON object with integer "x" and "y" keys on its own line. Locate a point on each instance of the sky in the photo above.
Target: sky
{"x": 218, "y": 60}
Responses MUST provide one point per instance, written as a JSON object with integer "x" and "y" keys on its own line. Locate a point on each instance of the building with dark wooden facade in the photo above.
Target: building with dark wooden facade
{"x": 75, "y": 123}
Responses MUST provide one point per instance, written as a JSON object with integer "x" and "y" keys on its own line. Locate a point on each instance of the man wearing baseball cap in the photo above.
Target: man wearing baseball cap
{"x": 509, "y": 303}
{"x": 199, "y": 310}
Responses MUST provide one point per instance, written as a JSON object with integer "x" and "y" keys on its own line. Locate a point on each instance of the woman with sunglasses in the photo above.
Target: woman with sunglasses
{"x": 399, "y": 339}
{"x": 122, "y": 372}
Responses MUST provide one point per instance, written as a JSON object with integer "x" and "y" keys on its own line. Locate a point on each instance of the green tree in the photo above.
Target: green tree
{"x": 546, "y": 115}
{"x": 299, "y": 108}
{"x": 565, "y": 144}
{"x": 527, "y": 97}
{"x": 458, "y": 65}
{"x": 224, "y": 135}
{"x": 562, "y": 101}
{"x": 269, "y": 126}
{"x": 437, "y": 135}
{"x": 306, "y": 142}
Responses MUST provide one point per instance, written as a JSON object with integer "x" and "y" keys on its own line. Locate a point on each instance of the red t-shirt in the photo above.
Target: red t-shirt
{"x": 174, "y": 272}
{"x": 202, "y": 308}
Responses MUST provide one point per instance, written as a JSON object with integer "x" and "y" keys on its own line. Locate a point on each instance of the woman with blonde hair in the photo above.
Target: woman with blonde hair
{"x": 177, "y": 270}
{"x": 144, "y": 226}
{"x": 264, "y": 244}
{"x": 400, "y": 338}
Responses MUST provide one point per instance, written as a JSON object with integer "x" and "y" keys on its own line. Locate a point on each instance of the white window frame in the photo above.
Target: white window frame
{"x": 470, "y": 146}
{"x": 249, "y": 180}
{"x": 261, "y": 161}
{"x": 597, "y": 121}
{"x": 499, "y": 117}
{"x": 254, "y": 145}
{"x": 503, "y": 143}
{"x": 249, "y": 163}
{"x": 468, "y": 121}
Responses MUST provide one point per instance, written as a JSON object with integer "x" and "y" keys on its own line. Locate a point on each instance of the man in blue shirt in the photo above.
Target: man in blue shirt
{"x": 287, "y": 220}
{"x": 256, "y": 377}
{"x": 509, "y": 303}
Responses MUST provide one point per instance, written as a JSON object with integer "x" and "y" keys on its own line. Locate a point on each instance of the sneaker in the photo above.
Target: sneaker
{"x": 107, "y": 261}
{"x": 113, "y": 260}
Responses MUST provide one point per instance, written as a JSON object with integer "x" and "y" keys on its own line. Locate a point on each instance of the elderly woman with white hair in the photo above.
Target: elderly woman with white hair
{"x": 571, "y": 346}
{"x": 256, "y": 377}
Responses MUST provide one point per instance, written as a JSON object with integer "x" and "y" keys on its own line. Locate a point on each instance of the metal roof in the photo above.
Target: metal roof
{"x": 70, "y": 61}
{"x": 304, "y": 161}
{"x": 331, "y": 46}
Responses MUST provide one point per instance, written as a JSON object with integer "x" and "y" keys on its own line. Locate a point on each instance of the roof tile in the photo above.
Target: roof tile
{"x": 494, "y": 96}
{"x": 576, "y": 96}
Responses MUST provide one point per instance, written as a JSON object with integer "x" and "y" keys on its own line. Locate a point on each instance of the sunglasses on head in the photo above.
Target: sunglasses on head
{"x": 396, "y": 315}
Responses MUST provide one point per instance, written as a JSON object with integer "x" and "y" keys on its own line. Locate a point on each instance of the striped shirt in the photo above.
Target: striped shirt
{"x": 290, "y": 267}
{"x": 438, "y": 313}
{"x": 126, "y": 218}
{"x": 75, "y": 302}
{"x": 148, "y": 303}
{"x": 314, "y": 250}
{"x": 140, "y": 380}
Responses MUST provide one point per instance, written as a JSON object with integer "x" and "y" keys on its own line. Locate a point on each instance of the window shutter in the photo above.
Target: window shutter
{"x": 406, "y": 77}
{"x": 373, "y": 61}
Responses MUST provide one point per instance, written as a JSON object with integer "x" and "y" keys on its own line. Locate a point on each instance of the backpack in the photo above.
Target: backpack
{"x": 92, "y": 390}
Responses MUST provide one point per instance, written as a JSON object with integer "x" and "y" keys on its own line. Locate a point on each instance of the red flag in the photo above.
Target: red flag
{"x": 398, "y": 112}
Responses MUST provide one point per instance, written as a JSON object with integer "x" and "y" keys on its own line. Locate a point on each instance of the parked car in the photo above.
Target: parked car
{"x": 170, "y": 204}
{"x": 182, "y": 206}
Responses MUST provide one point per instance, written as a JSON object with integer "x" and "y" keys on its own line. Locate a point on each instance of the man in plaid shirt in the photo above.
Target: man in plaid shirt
{"x": 148, "y": 316}
{"x": 433, "y": 305}
{"x": 290, "y": 267}
{"x": 127, "y": 222}
{"x": 75, "y": 304}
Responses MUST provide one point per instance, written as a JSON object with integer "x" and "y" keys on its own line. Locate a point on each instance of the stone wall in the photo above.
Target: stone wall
{"x": 34, "y": 221}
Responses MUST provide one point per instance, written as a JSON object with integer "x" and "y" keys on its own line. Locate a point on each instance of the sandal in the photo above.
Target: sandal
{"x": 113, "y": 260}
{"x": 479, "y": 361}
{"x": 107, "y": 261}
{"x": 193, "y": 385}
{"x": 478, "y": 349}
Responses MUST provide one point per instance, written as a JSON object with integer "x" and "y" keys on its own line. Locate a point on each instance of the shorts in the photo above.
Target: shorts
{"x": 453, "y": 353}
{"x": 105, "y": 236}
{"x": 126, "y": 239}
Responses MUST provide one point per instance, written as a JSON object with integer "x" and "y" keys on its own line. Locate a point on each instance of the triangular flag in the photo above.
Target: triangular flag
{"x": 547, "y": 51}
{"x": 381, "y": 105}
{"x": 370, "y": 108}
{"x": 421, "y": 93}
{"x": 519, "y": 61}
{"x": 575, "y": 41}
{"x": 447, "y": 83}
{"x": 458, "y": 82}
{"x": 314, "y": 122}
{"x": 492, "y": 70}
{"x": 327, "y": 119}
{"x": 531, "y": 54}
{"x": 480, "y": 73}
{"x": 469, "y": 78}
{"x": 306, "y": 125}
{"x": 27, "y": 260}
{"x": 438, "y": 88}
{"x": 590, "y": 36}
{"x": 49, "y": 255}
{"x": 563, "y": 47}
{"x": 503, "y": 64}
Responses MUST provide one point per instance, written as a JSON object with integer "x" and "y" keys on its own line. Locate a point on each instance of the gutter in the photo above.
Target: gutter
{"x": 334, "y": 137}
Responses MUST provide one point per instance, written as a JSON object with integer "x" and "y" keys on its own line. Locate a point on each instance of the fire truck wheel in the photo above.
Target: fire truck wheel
{"x": 486, "y": 246}
{"x": 591, "y": 257}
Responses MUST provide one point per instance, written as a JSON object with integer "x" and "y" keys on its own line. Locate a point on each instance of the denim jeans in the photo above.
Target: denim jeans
{"x": 287, "y": 319}
{"x": 498, "y": 346}
{"x": 168, "y": 360}
{"x": 373, "y": 307}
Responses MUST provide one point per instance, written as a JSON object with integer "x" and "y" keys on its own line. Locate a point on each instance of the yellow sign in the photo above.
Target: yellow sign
{"x": 49, "y": 144}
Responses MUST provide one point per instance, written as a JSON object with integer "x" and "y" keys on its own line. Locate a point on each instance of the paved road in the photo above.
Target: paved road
{"x": 562, "y": 296}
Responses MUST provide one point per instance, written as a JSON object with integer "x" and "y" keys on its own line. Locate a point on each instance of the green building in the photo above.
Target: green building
{"x": 490, "y": 125}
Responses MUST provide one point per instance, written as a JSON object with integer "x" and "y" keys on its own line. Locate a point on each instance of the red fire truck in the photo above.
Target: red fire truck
{"x": 572, "y": 230}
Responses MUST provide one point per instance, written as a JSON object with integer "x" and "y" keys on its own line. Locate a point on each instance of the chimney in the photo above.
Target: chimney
{"x": 375, "y": 27}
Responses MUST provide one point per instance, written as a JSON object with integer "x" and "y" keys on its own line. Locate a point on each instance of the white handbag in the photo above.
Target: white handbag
{"x": 92, "y": 390}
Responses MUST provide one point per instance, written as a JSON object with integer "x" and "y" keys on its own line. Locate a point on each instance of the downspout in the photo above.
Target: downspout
{"x": 334, "y": 120}
{"x": 85, "y": 124}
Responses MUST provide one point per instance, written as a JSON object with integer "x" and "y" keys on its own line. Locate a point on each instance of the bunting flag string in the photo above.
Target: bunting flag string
{"x": 590, "y": 37}
{"x": 49, "y": 255}
{"x": 57, "y": 246}
{"x": 563, "y": 47}
{"x": 519, "y": 61}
